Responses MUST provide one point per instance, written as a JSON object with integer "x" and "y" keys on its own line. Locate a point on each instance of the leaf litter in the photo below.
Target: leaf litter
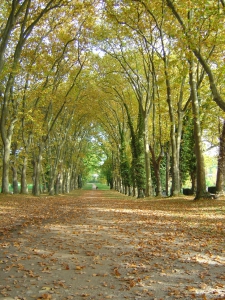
{"x": 103, "y": 245}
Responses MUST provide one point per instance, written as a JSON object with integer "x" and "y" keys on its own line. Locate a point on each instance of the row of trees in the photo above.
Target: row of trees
{"x": 149, "y": 75}
{"x": 166, "y": 59}
{"x": 44, "y": 124}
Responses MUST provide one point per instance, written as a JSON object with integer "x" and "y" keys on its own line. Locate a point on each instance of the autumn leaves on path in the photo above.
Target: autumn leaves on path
{"x": 103, "y": 245}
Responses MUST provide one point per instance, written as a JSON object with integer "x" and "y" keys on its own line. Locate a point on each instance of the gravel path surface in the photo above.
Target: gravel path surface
{"x": 102, "y": 245}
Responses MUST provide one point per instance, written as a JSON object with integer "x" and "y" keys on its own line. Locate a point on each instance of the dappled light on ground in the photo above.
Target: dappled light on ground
{"x": 102, "y": 245}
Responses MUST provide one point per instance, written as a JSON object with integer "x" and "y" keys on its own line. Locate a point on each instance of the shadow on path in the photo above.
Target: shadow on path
{"x": 102, "y": 245}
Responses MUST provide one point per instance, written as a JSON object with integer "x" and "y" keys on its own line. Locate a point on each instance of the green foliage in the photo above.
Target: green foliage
{"x": 188, "y": 158}
{"x": 107, "y": 171}
{"x": 138, "y": 164}
{"x": 162, "y": 173}
{"x": 124, "y": 164}
{"x": 94, "y": 156}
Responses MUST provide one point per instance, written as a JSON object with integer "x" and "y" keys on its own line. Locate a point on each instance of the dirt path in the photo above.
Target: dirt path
{"x": 101, "y": 245}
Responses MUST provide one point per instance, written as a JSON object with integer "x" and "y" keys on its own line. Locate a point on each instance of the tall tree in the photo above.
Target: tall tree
{"x": 209, "y": 32}
{"x": 137, "y": 67}
{"x": 23, "y": 17}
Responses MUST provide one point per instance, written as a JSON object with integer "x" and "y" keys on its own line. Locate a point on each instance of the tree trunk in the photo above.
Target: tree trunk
{"x": 221, "y": 162}
{"x": 193, "y": 182}
{"x": 174, "y": 137}
{"x": 174, "y": 157}
{"x": 72, "y": 179}
{"x": 51, "y": 187}
{"x": 37, "y": 172}
{"x": 63, "y": 185}
{"x": 76, "y": 181}
{"x": 15, "y": 180}
{"x": 5, "y": 166}
{"x": 148, "y": 184}
{"x": 45, "y": 189}
{"x": 156, "y": 167}
{"x": 201, "y": 183}
{"x": 168, "y": 172}
{"x": 68, "y": 180}
{"x": 57, "y": 184}
{"x": 24, "y": 189}
{"x": 80, "y": 181}
{"x": 158, "y": 179}
{"x": 124, "y": 163}
{"x": 6, "y": 134}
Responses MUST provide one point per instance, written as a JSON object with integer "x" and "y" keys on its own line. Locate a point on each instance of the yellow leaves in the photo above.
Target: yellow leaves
{"x": 45, "y": 296}
{"x": 110, "y": 246}
{"x": 190, "y": 288}
{"x": 60, "y": 283}
{"x": 31, "y": 274}
{"x": 46, "y": 288}
{"x": 78, "y": 268}
{"x": 20, "y": 267}
{"x": 132, "y": 283}
{"x": 116, "y": 272}
{"x": 66, "y": 266}
{"x": 64, "y": 35}
{"x": 175, "y": 292}
{"x": 219, "y": 285}
{"x": 203, "y": 286}
{"x": 90, "y": 253}
{"x": 75, "y": 232}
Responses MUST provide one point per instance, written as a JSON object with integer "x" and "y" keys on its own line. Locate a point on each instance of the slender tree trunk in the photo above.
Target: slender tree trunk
{"x": 120, "y": 185}
{"x": 201, "y": 183}
{"x": 174, "y": 142}
{"x": 52, "y": 179}
{"x": 63, "y": 185}
{"x": 175, "y": 163}
{"x": 15, "y": 180}
{"x": 175, "y": 132}
{"x": 117, "y": 183}
{"x": 158, "y": 183}
{"x": 51, "y": 187}
{"x": 68, "y": 180}
{"x": 221, "y": 162}
{"x": 193, "y": 182}
{"x": 71, "y": 187}
{"x": 54, "y": 169}
{"x": 37, "y": 172}
{"x": 123, "y": 162}
{"x": 58, "y": 184}
{"x": 156, "y": 166}
{"x": 79, "y": 181}
{"x": 148, "y": 184}
{"x": 5, "y": 166}
{"x": 168, "y": 172}
{"x": 24, "y": 189}
{"x": 45, "y": 189}
{"x": 129, "y": 191}
{"x": 73, "y": 179}
{"x": 34, "y": 163}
